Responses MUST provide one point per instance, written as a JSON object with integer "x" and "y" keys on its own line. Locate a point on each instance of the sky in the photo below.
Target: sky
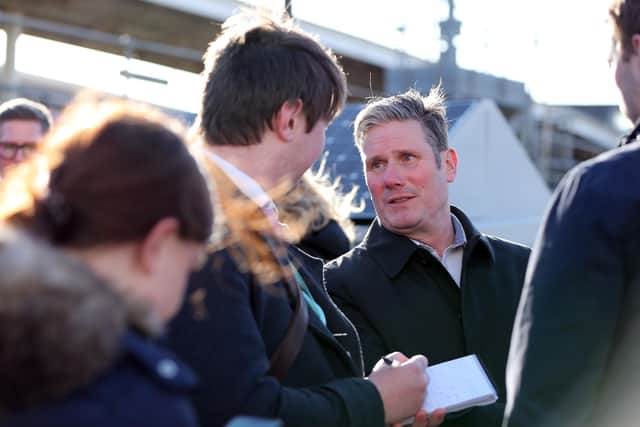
{"x": 558, "y": 48}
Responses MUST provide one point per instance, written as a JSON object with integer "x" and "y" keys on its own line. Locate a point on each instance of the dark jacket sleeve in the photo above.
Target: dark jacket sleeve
{"x": 565, "y": 323}
{"x": 227, "y": 351}
{"x": 338, "y": 276}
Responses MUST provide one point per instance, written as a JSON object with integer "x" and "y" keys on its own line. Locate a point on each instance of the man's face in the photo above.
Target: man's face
{"x": 407, "y": 187}
{"x": 17, "y": 139}
{"x": 627, "y": 78}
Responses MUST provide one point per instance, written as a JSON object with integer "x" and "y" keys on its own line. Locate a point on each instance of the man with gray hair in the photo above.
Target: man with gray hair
{"x": 22, "y": 124}
{"x": 424, "y": 279}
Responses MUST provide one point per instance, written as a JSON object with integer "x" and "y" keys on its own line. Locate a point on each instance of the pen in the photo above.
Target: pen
{"x": 389, "y": 361}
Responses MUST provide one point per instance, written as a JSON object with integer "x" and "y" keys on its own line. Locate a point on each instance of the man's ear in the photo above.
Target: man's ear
{"x": 287, "y": 120}
{"x": 154, "y": 243}
{"x": 451, "y": 164}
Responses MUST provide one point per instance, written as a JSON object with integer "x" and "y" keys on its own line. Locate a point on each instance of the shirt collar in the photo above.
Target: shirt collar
{"x": 392, "y": 251}
{"x": 158, "y": 362}
{"x": 246, "y": 184}
{"x": 459, "y": 236}
{"x": 631, "y": 136}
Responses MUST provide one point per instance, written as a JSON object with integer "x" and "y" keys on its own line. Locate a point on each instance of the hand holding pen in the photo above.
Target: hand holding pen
{"x": 421, "y": 418}
{"x": 389, "y": 361}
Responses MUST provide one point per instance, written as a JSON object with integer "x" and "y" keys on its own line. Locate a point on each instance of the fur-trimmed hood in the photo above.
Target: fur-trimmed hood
{"x": 60, "y": 325}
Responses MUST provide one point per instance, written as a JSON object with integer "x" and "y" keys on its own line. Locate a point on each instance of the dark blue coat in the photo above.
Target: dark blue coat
{"x": 235, "y": 324}
{"x": 327, "y": 243}
{"x": 576, "y": 342}
{"x": 146, "y": 386}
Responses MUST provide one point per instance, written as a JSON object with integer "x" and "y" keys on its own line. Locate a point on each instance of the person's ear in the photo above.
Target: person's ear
{"x": 635, "y": 44}
{"x": 451, "y": 164}
{"x": 152, "y": 246}
{"x": 287, "y": 120}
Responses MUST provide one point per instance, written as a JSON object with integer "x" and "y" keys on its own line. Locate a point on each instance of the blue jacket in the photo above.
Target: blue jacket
{"x": 575, "y": 350}
{"x": 233, "y": 327}
{"x": 146, "y": 386}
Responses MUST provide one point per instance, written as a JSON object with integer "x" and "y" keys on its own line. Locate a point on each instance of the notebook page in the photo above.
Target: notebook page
{"x": 458, "y": 384}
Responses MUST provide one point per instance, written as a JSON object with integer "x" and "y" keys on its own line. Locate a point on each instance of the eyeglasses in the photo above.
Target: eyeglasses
{"x": 10, "y": 150}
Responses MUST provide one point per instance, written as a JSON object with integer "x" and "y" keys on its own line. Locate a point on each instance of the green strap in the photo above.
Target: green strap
{"x": 308, "y": 297}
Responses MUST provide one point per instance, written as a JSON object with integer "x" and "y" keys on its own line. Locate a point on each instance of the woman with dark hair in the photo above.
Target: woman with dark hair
{"x": 116, "y": 189}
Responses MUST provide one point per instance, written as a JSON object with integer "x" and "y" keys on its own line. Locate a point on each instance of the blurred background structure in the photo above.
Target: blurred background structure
{"x": 513, "y": 147}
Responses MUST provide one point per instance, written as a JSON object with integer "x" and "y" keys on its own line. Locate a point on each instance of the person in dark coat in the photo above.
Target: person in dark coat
{"x": 79, "y": 350}
{"x": 575, "y": 352}
{"x": 424, "y": 280}
{"x": 270, "y": 92}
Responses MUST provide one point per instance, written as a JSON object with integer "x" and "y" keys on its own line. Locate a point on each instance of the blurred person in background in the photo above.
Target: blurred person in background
{"x": 114, "y": 188}
{"x": 23, "y": 123}
{"x": 259, "y": 328}
{"x": 319, "y": 212}
{"x": 425, "y": 280}
{"x": 575, "y": 351}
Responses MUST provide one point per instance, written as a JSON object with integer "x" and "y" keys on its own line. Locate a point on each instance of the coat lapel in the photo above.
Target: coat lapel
{"x": 391, "y": 251}
{"x": 339, "y": 332}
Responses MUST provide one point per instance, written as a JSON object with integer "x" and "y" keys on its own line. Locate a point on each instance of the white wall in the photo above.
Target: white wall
{"x": 497, "y": 185}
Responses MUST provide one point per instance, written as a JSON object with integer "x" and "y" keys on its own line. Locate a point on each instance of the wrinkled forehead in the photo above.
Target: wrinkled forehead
{"x": 398, "y": 131}
{"x": 21, "y": 131}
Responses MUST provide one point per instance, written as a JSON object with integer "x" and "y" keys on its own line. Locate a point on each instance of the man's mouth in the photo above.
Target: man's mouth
{"x": 399, "y": 199}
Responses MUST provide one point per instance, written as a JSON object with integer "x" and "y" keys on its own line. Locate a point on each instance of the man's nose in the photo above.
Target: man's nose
{"x": 393, "y": 176}
{"x": 21, "y": 154}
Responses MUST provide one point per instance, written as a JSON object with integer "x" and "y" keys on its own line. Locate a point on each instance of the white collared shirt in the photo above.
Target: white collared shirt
{"x": 244, "y": 182}
{"x": 452, "y": 255}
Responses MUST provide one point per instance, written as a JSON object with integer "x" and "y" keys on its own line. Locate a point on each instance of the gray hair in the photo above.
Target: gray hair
{"x": 429, "y": 111}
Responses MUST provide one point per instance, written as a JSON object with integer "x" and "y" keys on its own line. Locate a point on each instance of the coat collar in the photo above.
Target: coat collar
{"x": 160, "y": 363}
{"x": 392, "y": 251}
{"x": 631, "y": 136}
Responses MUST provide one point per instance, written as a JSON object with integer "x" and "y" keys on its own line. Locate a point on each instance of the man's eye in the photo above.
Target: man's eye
{"x": 408, "y": 157}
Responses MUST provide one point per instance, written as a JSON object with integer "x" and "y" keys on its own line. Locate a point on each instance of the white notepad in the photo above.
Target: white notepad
{"x": 458, "y": 384}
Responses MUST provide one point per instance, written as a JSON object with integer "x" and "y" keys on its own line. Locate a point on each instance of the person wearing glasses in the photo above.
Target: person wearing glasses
{"x": 22, "y": 124}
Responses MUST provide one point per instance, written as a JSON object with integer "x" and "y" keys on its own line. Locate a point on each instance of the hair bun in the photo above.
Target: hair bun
{"x": 55, "y": 217}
